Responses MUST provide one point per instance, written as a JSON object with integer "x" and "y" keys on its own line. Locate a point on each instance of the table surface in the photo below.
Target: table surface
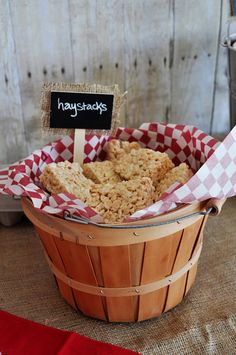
{"x": 204, "y": 323}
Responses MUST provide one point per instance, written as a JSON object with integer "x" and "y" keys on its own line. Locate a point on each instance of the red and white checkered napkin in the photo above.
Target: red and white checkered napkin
{"x": 214, "y": 165}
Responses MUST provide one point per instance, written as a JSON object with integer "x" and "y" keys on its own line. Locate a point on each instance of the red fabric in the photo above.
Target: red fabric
{"x": 19, "y": 336}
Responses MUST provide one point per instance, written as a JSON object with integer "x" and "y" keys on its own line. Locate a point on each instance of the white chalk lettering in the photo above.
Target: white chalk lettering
{"x": 60, "y": 104}
{"x": 67, "y": 106}
{"x": 89, "y": 107}
{"x": 64, "y": 106}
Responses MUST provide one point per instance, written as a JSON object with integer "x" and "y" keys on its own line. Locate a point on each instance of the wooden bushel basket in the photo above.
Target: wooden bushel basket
{"x": 129, "y": 273}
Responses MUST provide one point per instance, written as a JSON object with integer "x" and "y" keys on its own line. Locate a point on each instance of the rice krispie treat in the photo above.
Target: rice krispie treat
{"x": 143, "y": 162}
{"x": 116, "y": 149}
{"x": 181, "y": 174}
{"x": 66, "y": 177}
{"x": 116, "y": 202}
{"x": 101, "y": 172}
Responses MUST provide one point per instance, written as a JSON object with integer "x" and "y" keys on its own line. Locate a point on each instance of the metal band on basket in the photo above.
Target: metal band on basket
{"x": 124, "y": 291}
{"x": 82, "y": 220}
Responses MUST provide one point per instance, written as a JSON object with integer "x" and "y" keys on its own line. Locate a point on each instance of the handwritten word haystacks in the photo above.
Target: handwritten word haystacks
{"x": 131, "y": 179}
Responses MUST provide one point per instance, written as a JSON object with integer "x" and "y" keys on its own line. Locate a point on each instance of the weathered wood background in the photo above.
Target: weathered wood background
{"x": 165, "y": 53}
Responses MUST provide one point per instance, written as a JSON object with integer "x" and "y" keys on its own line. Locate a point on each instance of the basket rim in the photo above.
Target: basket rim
{"x": 91, "y": 235}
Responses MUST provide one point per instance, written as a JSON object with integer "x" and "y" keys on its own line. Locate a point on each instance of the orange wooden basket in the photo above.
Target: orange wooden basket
{"x": 124, "y": 273}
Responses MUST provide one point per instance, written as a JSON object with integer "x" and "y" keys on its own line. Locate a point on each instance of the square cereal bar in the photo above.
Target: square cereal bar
{"x": 116, "y": 149}
{"x": 66, "y": 177}
{"x": 116, "y": 202}
{"x": 181, "y": 174}
{"x": 143, "y": 162}
{"x": 101, "y": 172}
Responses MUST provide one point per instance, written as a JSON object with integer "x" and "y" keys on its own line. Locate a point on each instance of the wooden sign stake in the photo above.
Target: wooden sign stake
{"x": 79, "y": 143}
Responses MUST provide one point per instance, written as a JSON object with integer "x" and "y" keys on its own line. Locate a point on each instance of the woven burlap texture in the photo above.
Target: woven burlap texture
{"x": 204, "y": 323}
{"x": 47, "y": 88}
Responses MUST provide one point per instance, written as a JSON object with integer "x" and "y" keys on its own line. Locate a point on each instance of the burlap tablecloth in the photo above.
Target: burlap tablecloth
{"x": 204, "y": 323}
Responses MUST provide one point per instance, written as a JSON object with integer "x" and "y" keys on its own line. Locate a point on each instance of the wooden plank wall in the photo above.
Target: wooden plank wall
{"x": 165, "y": 53}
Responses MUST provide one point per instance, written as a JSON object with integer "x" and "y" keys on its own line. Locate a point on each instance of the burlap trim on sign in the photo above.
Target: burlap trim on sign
{"x": 76, "y": 87}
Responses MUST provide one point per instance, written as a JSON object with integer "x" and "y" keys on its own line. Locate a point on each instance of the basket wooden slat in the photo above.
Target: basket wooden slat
{"x": 136, "y": 266}
{"x": 115, "y": 262}
{"x": 94, "y": 254}
{"x": 132, "y": 264}
{"x": 70, "y": 254}
{"x": 50, "y": 248}
{"x": 158, "y": 258}
{"x": 176, "y": 290}
{"x": 136, "y": 262}
{"x": 191, "y": 275}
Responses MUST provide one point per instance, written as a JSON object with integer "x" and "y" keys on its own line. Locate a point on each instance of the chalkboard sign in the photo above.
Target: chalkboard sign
{"x": 80, "y": 108}
{"x": 92, "y": 111}
{"x": 67, "y": 107}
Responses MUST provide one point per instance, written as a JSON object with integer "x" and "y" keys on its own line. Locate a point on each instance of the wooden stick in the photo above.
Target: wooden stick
{"x": 79, "y": 143}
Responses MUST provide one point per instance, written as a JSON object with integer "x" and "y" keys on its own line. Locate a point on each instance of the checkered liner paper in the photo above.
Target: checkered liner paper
{"x": 213, "y": 163}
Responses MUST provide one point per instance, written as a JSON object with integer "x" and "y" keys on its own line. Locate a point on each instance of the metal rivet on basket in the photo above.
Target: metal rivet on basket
{"x": 135, "y": 234}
